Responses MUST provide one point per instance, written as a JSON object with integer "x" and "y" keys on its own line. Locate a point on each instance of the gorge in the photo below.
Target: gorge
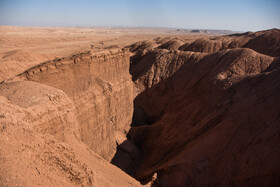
{"x": 169, "y": 111}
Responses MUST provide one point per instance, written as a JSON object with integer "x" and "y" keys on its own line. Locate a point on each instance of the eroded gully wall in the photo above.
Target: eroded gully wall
{"x": 102, "y": 91}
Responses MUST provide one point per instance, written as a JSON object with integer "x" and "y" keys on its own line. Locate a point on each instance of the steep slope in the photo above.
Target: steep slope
{"x": 101, "y": 89}
{"x": 212, "y": 119}
{"x": 266, "y": 42}
{"x": 41, "y": 144}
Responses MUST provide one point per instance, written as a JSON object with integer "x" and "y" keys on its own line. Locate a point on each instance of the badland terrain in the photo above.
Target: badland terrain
{"x": 139, "y": 107}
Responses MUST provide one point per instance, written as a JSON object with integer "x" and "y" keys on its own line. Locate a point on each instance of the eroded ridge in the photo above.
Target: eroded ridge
{"x": 206, "y": 113}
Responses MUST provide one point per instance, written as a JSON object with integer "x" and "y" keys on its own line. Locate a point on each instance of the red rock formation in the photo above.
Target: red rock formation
{"x": 211, "y": 119}
{"x": 203, "y": 113}
{"x": 40, "y": 143}
{"x": 101, "y": 89}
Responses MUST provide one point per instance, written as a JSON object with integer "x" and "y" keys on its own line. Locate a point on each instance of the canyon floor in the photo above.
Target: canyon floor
{"x": 139, "y": 107}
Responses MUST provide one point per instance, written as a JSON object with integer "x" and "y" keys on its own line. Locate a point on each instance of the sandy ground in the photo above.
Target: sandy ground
{"x": 58, "y": 42}
{"x": 24, "y": 47}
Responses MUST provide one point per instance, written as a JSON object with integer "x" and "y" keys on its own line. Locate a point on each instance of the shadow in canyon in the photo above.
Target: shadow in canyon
{"x": 199, "y": 103}
{"x": 148, "y": 107}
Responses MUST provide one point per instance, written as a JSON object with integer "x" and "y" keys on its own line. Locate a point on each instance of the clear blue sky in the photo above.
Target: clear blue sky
{"x": 237, "y": 15}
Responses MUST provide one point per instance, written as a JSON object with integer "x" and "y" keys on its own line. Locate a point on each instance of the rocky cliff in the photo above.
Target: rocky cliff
{"x": 101, "y": 89}
{"x": 41, "y": 143}
{"x": 60, "y": 129}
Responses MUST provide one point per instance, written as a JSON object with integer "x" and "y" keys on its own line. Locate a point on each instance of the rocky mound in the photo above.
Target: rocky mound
{"x": 162, "y": 40}
{"x": 142, "y": 46}
{"x": 171, "y": 45}
{"x": 266, "y": 42}
{"x": 204, "y": 45}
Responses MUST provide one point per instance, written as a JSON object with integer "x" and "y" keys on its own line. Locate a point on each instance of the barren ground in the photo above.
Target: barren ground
{"x": 139, "y": 106}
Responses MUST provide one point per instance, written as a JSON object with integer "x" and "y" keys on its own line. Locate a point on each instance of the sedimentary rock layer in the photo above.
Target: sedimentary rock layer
{"x": 40, "y": 144}
{"x": 101, "y": 89}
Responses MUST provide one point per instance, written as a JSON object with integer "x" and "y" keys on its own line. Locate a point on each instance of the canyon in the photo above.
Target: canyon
{"x": 160, "y": 109}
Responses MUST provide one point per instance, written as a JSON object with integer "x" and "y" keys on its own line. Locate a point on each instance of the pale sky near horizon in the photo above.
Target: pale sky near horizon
{"x": 238, "y": 15}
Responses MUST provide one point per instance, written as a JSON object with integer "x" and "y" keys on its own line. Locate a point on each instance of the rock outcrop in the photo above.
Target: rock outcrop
{"x": 40, "y": 142}
{"x": 101, "y": 89}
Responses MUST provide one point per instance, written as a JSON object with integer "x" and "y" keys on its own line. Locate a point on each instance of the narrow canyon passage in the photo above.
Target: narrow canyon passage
{"x": 199, "y": 113}
{"x": 204, "y": 118}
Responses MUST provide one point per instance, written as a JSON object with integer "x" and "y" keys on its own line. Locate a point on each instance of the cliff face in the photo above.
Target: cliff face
{"x": 57, "y": 129}
{"x": 101, "y": 89}
{"x": 40, "y": 143}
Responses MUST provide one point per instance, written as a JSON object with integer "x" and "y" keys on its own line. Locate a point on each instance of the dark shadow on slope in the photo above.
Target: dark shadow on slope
{"x": 149, "y": 107}
{"x": 152, "y": 105}
{"x": 129, "y": 154}
{"x": 140, "y": 64}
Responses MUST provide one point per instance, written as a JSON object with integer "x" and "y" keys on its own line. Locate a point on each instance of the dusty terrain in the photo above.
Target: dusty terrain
{"x": 133, "y": 107}
{"x": 24, "y": 47}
